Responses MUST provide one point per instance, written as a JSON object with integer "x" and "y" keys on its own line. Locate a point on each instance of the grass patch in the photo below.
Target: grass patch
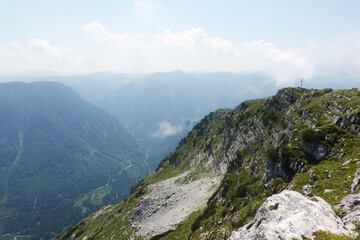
{"x": 95, "y": 197}
{"x": 183, "y": 230}
{"x": 323, "y": 235}
{"x": 328, "y": 175}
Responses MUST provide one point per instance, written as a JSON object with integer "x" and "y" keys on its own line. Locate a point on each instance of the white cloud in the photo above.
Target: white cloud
{"x": 165, "y": 129}
{"x": 123, "y": 43}
{"x": 54, "y": 51}
{"x": 196, "y": 39}
{"x": 192, "y": 49}
{"x": 286, "y": 66}
{"x": 339, "y": 56}
{"x": 38, "y": 54}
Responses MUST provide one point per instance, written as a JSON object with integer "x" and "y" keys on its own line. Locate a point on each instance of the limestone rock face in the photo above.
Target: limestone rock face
{"x": 341, "y": 122}
{"x": 272, "y": 170}
{"x": 288, "y": 96}
{"x": 350, "y": 206}
{"x": 315, "y": 150}
{"x": 356, "y": 182}
{"x": 288, "y": 215}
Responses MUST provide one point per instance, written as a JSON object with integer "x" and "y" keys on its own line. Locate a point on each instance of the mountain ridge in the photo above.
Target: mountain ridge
{"x": 298, "y": 139}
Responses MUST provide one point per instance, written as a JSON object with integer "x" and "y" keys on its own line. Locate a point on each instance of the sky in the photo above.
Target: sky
{"x": 287, "y": 40}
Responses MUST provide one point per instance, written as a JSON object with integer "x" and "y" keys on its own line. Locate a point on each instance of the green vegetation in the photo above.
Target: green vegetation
{"x": 55, "y": 149}
{"x": 309, "y": 135}
{"x": 182, "y": 231}
{"x": 262, "y": 144}
{"x": 321, "y": 235}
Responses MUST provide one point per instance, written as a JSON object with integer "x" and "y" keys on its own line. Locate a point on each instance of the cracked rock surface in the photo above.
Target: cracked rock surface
{"x": 350, "y": 206}
{"x": 288, "y": 215}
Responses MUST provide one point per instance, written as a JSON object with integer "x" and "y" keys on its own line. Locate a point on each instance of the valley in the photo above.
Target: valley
{"x": 61, "y": 158}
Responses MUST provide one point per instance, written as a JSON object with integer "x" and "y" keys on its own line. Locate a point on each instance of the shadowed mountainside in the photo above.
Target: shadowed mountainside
{"x": 60, "y": 158}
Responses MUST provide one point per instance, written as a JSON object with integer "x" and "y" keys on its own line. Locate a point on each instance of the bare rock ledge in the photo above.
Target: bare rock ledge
{"x": 289, "y": 215}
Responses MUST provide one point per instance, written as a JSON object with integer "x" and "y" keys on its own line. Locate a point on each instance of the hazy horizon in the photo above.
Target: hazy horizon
{"x": 285, "y": 40}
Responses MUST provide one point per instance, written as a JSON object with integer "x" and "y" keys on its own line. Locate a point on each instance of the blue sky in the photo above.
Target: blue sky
{"x": 285, "y": 39}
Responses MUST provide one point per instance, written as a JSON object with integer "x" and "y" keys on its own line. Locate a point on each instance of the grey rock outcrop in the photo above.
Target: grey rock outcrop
{"x": 352, "y": 118}
{"x": 306, "y": 114}
{"x": 288, "y": 96}
{"x": 307, "y": 189}
{"x": 315, "y": 93}
{"x": 350, "y": 206}
{"x": 315, "y": 150}
{"x": 343, "y": 123}
{"x": 275, "y": 170}
{"x": 289, "y": 215}
{"x": 272, "y": 170}
{"x": 327, "y": 90}
{"x": 356, "y": 182}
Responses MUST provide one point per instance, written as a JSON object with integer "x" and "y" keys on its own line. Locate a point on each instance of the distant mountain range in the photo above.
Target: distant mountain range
{"x": 161, "y": 108}
{"x": 60, "y": 158}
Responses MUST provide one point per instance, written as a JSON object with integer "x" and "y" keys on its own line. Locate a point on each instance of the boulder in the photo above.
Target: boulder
{"x": 289, "y": 215}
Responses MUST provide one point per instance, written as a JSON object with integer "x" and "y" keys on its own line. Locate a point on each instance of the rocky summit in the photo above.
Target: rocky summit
{"x": 282, "y": 167}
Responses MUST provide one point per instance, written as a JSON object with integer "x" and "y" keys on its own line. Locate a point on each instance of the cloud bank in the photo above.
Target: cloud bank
{"x": 123, "y": 43}
{"x": 195, "y": 50}
{"x": 39, "y": 54}
{"x": 196, "y": 40}
{"x": 166, "y": 129}
{"x": 192, "y": 49}
{"x": 286, "y": 66}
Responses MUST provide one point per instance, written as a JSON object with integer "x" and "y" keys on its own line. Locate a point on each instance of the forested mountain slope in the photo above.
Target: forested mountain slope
{"x": 60, "y": 159}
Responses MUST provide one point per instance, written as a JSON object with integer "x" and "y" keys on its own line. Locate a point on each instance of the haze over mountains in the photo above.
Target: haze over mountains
{"x": 159, "y": 109}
